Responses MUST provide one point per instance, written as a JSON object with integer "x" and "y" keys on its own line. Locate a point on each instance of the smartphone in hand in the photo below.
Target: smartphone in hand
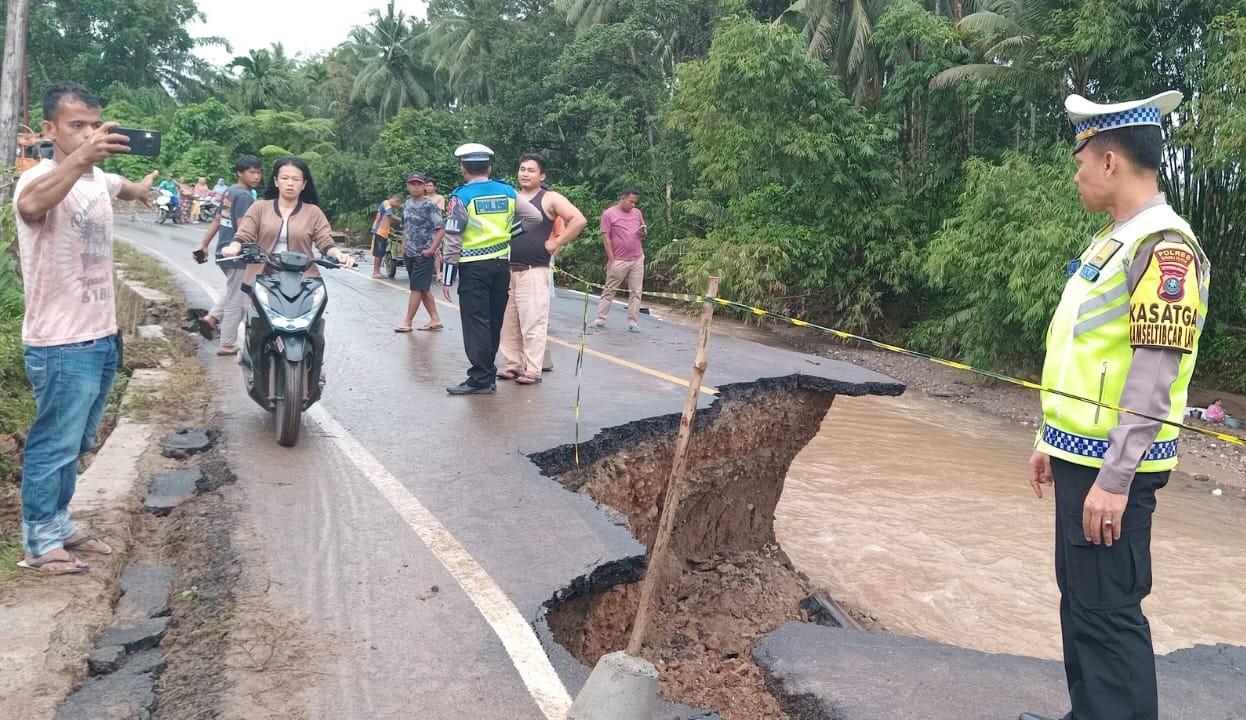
{"x": 142, "y": 142}
{"x": 201, "y": 257}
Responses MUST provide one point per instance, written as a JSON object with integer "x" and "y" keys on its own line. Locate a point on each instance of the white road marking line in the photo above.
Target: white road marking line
{"x": 508, "y": 624}
{"x": 516, "y": 634}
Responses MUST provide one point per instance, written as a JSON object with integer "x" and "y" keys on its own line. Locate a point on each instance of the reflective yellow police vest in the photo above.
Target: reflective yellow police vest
{"x": 490, "y": 209}
{"x": 1089, "y": 343}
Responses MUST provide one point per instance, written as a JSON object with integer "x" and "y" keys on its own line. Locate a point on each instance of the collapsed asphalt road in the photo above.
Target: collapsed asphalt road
{"x": 408, "y": 537}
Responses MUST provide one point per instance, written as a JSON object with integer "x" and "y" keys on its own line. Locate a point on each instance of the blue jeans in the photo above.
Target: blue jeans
{"x": 71, "y": 384}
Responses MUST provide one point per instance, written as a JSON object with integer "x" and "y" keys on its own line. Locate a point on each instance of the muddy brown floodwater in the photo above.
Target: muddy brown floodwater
{"x": 919, "y": 514}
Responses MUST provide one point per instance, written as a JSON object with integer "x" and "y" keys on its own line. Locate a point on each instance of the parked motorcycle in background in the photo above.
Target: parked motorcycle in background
{"x": 208, "y": 208}
{"x": 166, "y": 206}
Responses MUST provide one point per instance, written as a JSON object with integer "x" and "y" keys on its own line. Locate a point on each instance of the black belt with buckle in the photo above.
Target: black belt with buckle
{"x": 520, "y": 267}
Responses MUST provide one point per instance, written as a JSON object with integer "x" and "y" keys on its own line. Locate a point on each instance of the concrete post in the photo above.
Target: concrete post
{"x": 621, "y": 687}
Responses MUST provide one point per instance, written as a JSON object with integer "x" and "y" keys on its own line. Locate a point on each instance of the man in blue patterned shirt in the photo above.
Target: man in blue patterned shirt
{"x": 422, "y": 230}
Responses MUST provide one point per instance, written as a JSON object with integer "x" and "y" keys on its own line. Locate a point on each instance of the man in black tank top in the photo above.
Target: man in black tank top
{"x": 526, "y": 321}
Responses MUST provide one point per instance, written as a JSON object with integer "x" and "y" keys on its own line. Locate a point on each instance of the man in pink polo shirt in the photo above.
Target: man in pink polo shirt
{"x": 622, "y": 227}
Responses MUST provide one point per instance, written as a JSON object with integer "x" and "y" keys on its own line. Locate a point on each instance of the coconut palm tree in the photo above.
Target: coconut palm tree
{"x": 393, "y": 74}
{"x": 461, "y": 41}
{"x": 840, "y": 31}
{"x": 1007, "y": 33}
{"x": 265, "y": 80}
{"x": 583, "y": 14}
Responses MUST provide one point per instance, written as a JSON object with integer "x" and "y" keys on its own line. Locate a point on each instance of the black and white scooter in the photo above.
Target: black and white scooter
{"x": 283, "y": 353}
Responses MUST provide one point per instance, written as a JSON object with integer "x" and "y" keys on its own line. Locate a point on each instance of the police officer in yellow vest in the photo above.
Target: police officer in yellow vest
{"x": 1126, "y": 334}
{"x": 481, "y": 216}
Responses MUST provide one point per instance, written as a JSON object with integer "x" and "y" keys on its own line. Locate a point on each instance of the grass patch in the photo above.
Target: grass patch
{"x": 187, "y": 384}
{"x": 139, "y": 404}
{"x": 143, "y": 268}
{"x": 17, "y": 402}
{"x": 10, "y": 553}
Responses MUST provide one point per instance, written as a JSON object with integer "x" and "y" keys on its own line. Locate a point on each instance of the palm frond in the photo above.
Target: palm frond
{"x": 988, "y": 72}
{"x": 990, "y": 24}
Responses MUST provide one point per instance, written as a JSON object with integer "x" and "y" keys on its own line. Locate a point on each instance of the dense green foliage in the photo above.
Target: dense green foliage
{"x": 1000, "y": 260}
{"x": 16, "y": 403}
{"x": 898, "y": 167}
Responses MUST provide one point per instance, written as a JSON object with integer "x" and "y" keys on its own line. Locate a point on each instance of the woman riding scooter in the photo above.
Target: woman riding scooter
{"x": 288, "y": 219}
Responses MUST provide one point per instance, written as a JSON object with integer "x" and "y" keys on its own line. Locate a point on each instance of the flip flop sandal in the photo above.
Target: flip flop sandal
{"x": 431, "y": 327}
{"x": 37, "y": 565}
{"x": 77, "y": 545}
{"x": 507, "y": 375}
{"x": 528, "y": 379}
{"x": 403, "y": 329}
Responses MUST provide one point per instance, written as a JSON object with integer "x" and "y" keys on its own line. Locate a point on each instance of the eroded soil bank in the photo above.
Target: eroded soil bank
{"x": 728, "y": 583}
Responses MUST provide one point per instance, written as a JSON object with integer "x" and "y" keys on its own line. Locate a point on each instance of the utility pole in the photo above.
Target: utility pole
{"x": 12, "y": 85}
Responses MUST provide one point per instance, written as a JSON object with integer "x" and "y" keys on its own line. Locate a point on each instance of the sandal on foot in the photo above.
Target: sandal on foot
{"x": 403, "y": 329}
{"x": 226, "y": 351}
{"x": 528, "y": 379}
{"x": 507, "y": 375}
{"x": 88, "y": 544}
{"x": 69, "y": 566}
{"x": 431, "y": 326}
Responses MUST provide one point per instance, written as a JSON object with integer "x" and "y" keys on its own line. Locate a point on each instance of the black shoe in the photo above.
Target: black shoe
{"x": 466, "y": 388}
{"x": 194, "y": 317}
{"x": 207, "y": 328}
{"x": 1032, "y": 716}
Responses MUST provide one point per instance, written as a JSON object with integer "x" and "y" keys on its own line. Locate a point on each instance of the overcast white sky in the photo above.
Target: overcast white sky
{"x": 302, "y": 26}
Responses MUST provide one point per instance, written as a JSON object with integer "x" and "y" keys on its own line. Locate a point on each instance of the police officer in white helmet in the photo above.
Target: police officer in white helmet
{"x": 1125, "y": 334}
{"x": 481, "y": 217}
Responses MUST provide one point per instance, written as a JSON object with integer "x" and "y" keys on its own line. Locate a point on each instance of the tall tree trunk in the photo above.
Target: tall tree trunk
{"x": 12, "y": 88}
{"x": 1033, "y": 127}
{"x": 670, "y": 191}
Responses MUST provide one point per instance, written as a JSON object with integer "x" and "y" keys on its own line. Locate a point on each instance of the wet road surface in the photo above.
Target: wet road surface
{"x": 396, "y": 487}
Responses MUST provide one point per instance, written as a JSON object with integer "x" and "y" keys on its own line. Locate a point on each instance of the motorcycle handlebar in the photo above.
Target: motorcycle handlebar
{"x": 256, "y": 256}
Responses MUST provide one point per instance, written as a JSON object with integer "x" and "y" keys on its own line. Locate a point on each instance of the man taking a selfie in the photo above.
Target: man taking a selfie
{"x": 63, "y": 208}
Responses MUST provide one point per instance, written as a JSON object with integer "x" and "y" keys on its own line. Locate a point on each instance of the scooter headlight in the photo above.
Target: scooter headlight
{"x": 302, "y": 322}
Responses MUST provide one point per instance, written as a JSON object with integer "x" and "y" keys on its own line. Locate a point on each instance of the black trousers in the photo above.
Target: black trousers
{"x": 484, "y": 286}
{"x": 1109, "y": 661}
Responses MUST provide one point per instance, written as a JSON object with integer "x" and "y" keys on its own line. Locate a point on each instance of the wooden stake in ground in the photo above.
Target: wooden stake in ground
{"x": 675, "y": 485}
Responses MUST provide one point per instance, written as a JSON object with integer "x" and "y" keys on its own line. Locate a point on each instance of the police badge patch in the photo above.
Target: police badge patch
{"x": 1174, "y": 264}
{"x": 1163, "y": 313}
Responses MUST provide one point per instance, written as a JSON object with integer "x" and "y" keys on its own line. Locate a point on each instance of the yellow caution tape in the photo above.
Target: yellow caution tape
{"x": 684, "y": 297}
